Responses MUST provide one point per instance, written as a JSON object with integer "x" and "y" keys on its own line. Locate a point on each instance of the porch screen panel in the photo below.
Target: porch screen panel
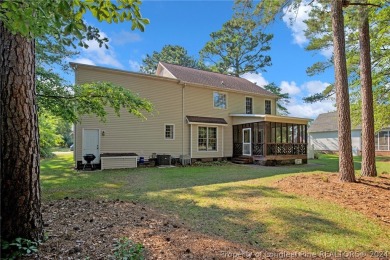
{"x": 273, "y": 133}
{"x": 278, "y": 132}
{"x": 290, "y": 133}
{"x": 284, "y": 133}
{"x": 295, "y": 134}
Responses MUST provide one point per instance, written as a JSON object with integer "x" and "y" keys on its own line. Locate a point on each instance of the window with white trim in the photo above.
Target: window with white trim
{"x": 268, "y": 107}
{"x": 169, "y": 132}
{"x": 220, "y": 100}
{"x": 207, "y": 138}
{"x": 249, "y": 105}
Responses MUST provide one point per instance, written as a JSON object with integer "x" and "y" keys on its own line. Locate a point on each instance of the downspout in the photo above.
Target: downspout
{"x": 74, "y": 67}
{"x": 191, "y": 142}
{"x": 223, "y": 140}
{"x": 182, "y": 122}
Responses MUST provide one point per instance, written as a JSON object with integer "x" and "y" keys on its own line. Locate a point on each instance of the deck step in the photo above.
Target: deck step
{"x": 242, "y": 160}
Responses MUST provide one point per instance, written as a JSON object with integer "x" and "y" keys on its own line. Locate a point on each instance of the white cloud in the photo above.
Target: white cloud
{"x": 294, "y": 20}
{"x": 96, "y": 55}
{"x": 297, "y": 108}
{"x": 290, "y": 88}
{"x": 124, "y": 37}
{"x": 84, "y": 61}
{"x": 328, "y": 52}
{"x": 315, "y": 86}
{"x": 307, "y": 110}
{"x": 134, "y": 65}
{"x": 255, "y": 78}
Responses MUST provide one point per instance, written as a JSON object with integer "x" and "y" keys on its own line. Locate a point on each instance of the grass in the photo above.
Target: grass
{"x": 236, "y": 202}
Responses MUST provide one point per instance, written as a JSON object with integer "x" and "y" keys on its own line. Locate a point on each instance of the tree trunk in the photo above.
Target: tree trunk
{"x": 19, "y": 157}
{"x": 368, "y": 135}
{"x": 347, "y": 173}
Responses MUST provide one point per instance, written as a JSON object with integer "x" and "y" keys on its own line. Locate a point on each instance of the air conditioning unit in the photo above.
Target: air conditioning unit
{"x": 185, "y": 159}
{"x": 163, "y": 159}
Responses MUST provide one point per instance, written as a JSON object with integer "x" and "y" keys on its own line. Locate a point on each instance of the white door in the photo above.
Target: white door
{"x": 91, "y": 143}
{"x": 246, "y": 142}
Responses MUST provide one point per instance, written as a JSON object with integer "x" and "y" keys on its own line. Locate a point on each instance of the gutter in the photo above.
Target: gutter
{"x": 228, "y": 89}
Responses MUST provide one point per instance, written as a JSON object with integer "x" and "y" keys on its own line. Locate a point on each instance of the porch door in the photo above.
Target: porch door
{"x": 91, "y": 143}
{"x": 246, "y": 142}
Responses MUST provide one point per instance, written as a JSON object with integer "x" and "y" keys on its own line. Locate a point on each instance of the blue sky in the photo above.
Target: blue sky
{"x": 189, "y": 24}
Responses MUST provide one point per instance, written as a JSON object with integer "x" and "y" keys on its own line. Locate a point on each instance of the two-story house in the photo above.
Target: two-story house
{"x": 197, "y": 114}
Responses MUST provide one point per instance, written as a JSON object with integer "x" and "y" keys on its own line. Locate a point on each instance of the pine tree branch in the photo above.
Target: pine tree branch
{"x": 346, "y": 3}
{"x": 69, "y": 97}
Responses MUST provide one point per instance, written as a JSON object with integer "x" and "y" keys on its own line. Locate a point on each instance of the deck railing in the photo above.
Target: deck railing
{"x": 285, "y": 149}
{"x": 273, "y": 149}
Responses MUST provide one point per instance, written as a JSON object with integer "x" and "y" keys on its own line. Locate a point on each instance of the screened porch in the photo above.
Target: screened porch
{"x": 270, "y": 140}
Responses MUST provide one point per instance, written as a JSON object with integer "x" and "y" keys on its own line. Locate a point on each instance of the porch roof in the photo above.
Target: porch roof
{"x": 206, "y": 120}
{"x": 252, "y": 118}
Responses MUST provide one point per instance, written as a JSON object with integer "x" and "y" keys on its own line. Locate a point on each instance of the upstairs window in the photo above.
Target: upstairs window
{"x": 248, "y": 105}
{"x": 169, "y": 132}
{"x": 268, "y": 107}
{"x": 220, "y": 100}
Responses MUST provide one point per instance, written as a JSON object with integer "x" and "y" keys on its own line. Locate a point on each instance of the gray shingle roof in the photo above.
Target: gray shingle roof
{"x": 326, "y": 122}
{"x": 213, "y": 79}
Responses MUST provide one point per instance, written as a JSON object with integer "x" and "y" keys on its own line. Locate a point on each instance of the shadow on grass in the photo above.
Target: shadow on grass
{"x": 246, "y": 214}
{"x": 304, "y": 229}
{"x": 233, "y": 202}
{"x": 58, "y": 172}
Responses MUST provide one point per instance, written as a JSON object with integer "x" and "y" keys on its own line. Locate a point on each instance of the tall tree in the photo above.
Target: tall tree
{"x": 346, "y": 169}
{"x": 21, "y": 22}
{"x": 360, "y": 68}
{"x": 319, "y": 35}
{"x": 174, "y": 54}
{"x": 238, "y": 48}
{"x": 283, "y": 98}
{"x": 368, "y": 140}
{"x": 268, "y": 10}
{"x": 20, "y": 189}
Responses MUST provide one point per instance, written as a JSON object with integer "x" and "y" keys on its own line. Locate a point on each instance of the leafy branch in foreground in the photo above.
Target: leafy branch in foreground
{"x": 18, "y": 247}
{"x": 93, "y": 98}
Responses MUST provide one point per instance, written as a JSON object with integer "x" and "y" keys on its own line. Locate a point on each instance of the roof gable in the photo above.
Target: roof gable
{"x": 327, "y": 122}
{"x": 224, "y": 82}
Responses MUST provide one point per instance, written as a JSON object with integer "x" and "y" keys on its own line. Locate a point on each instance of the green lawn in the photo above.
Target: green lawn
{"x": 235, "y": 202}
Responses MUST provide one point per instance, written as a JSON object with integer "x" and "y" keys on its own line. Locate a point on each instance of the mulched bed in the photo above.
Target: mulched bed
{"x": 78, "y": 229}
{"x": 86, "y": 229}
{"x": 369, "y": 195}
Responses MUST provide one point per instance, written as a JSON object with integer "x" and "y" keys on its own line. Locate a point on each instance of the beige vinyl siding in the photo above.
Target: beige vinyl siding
{"x": 238, "y": 120}
{"x": 119, "y": 162}
{"x": 199, "y": 102}
{"x": 245, "y": 120}
{"x": 220, "y": 152}
{"x": 128, "y": 133}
